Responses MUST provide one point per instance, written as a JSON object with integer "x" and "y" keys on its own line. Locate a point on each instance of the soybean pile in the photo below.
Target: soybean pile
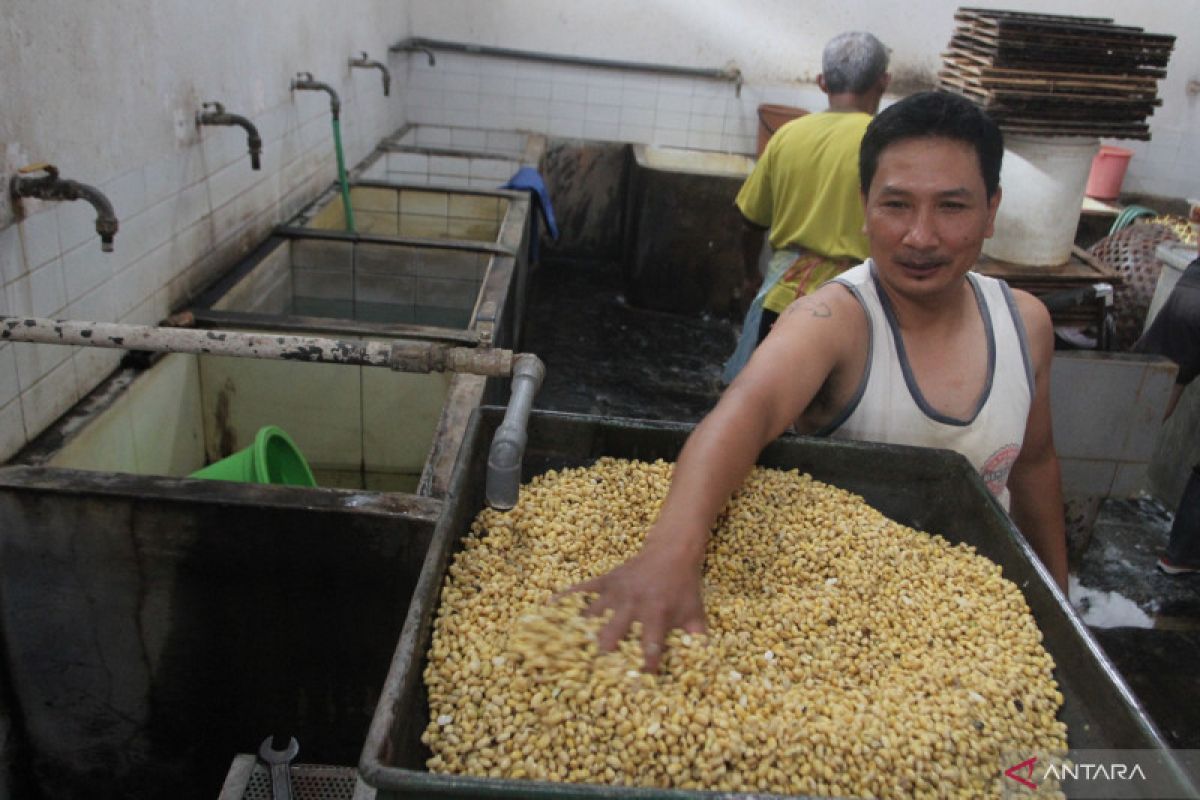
{"x": 846, "y": 654}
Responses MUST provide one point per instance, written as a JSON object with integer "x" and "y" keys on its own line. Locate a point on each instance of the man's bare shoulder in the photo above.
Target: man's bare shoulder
{"x": 1036, "y": 318}
{"x": 833, "y": 301}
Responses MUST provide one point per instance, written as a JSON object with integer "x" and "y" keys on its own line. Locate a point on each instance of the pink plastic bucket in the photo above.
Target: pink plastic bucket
{"x": 1108, "y": 172}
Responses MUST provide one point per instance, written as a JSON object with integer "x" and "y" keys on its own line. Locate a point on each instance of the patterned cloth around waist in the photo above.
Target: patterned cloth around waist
{"x": 806, "y": 273}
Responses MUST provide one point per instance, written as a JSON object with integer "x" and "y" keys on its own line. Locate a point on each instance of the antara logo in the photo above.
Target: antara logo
{"x": 1025, "y": 766}
{"x": 1089, "y": 772}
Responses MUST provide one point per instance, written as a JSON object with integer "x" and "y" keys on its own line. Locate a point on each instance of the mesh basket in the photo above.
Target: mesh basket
{"x": 309, "y": 781}
{"x": 1130, "y": 253}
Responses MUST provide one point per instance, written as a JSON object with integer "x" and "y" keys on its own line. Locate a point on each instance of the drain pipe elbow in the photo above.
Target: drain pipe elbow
{"x": 503, "y": 484}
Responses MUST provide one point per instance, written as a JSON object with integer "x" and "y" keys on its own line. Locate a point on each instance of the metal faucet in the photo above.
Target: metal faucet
{"x": 304, "y": 80}
{"x": 365, "y": 61}
{"x": 413, "y": 46}
{"x": 52, "y": 187}
{"x": 218, "y": 116}
{"x": 502, "y": 485}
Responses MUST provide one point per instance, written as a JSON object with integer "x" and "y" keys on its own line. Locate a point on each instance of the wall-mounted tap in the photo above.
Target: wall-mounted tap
{"x": 414, "y": 44}
{"x": 365, "y": 61}
{"x": 304, "y": 80}
{"x": 52, "y": 187}
{"x": 219, "y": 116}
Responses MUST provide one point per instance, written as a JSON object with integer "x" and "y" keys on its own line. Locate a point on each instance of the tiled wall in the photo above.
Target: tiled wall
{"x": 183, "y": 218}
{"x": 592, "y": 103}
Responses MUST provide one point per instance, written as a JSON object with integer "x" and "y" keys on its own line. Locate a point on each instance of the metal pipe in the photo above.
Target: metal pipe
{"x": 503, "y": 482}
{"x": 417, "y": 43}
{"x": 218, "y": 116}
{"x": 52, "y": 187}
{"x": 304, "y": 80}
{"x": 365, "y": 61}
{"x": 401, "y": 355}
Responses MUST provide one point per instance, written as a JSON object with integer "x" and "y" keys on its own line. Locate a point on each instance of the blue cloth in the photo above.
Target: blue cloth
{"x": 527, "y": 178}
{"x": 748, "y": 341}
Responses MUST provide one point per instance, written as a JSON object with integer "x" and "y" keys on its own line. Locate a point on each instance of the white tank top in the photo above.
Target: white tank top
{"x": 889, "y": 407}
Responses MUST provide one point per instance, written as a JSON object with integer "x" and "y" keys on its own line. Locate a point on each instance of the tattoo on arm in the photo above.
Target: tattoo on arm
{"x": 813, "y": 308}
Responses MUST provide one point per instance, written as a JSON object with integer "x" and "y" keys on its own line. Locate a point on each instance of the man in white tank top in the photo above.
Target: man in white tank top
{"x": 909, "y": 347}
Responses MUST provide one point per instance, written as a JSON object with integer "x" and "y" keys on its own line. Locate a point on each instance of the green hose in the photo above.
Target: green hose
{"x": 341, "y": 166}
{"x": 1128, "y": 215}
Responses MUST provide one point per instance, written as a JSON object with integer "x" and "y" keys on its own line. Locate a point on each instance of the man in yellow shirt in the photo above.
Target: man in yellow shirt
{"x": 805, "y": 189}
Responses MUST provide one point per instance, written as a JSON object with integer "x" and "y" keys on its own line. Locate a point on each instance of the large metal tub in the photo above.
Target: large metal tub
{"x": 153, "y": 628}
{"x": 933, "y": 490}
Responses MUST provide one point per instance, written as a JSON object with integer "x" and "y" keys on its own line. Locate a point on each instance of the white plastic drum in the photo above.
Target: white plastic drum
{"x": 1043, "y": 179}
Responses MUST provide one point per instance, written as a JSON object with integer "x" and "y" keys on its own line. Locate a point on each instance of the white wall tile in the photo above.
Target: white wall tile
{"x": 673, "y": 120}
{"x": 567, "y": 110}
{"x": 77, "y": 224}
{"x": 538, "y": 123}
{"x": 36, "y": 361}
{"x": 85, "y": 268}
{"x": 531, "y": 107}
{"x": 712, "y": 105}
{"x": 601, "y": 130}
{"x": 637, "y": 134}
{"x": 568, "y": 92}
{"x": 538, "y": 89}
{"x": 495, "y": 84}
{"x": 12, "y": 430}
{"x": 462, "y": 117}
{"x": 10, "y": 387}
{"x": 422, "y": 98}
{"x": 151, "y": 311}
{"x": 39, "y": 235}
{"x": 606, "y": 114}
{"x": 12, "y": 258}
{"x": 466, "y": 83}
{"x": 639, "y": 98}
{"x": 604, "y": 95}
{"x": 703, "y": 123}
{"x": 674, "y": 103}
{"x": 638, "y": 117}
{"x": 137, "y": 282}
{"x": 565, "y": 126}
{"x": 670, "y": 137}
{"x": 459, "y": 101}
{"x": 41, "y": 293}
{"x": 449, "y": 165}
{"x": 701, "y": 140}
{"x": 127, "y": 193}
{"x": 407, "y": 162}
{"x": 490, "y": 105}
{"x": 426, "y": 115}
{"x": 468, "y": 139}
{"x": 49, "y": 398}
{"x": 93, "y": 365}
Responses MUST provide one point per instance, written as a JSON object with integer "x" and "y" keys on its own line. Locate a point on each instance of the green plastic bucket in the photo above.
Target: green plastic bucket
{"x": 271, "y": 458}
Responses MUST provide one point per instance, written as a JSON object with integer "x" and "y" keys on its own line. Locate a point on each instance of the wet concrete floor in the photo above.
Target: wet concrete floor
{"x": 606, "y": 358}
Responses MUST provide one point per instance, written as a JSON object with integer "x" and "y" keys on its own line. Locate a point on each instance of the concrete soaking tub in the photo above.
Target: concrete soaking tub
{"x": 448, "y": 156}
{"x": 306, "y": 281}
{"x": 689, "y": 266}
{"x": 388, "y": 211}
{"x": 156, "y": 626}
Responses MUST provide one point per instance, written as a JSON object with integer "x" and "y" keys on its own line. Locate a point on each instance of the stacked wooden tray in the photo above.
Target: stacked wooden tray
{"x": 1057, "y": 75}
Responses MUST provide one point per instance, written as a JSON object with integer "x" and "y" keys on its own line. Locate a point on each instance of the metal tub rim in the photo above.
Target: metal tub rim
{"x": 395, "y": 782}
